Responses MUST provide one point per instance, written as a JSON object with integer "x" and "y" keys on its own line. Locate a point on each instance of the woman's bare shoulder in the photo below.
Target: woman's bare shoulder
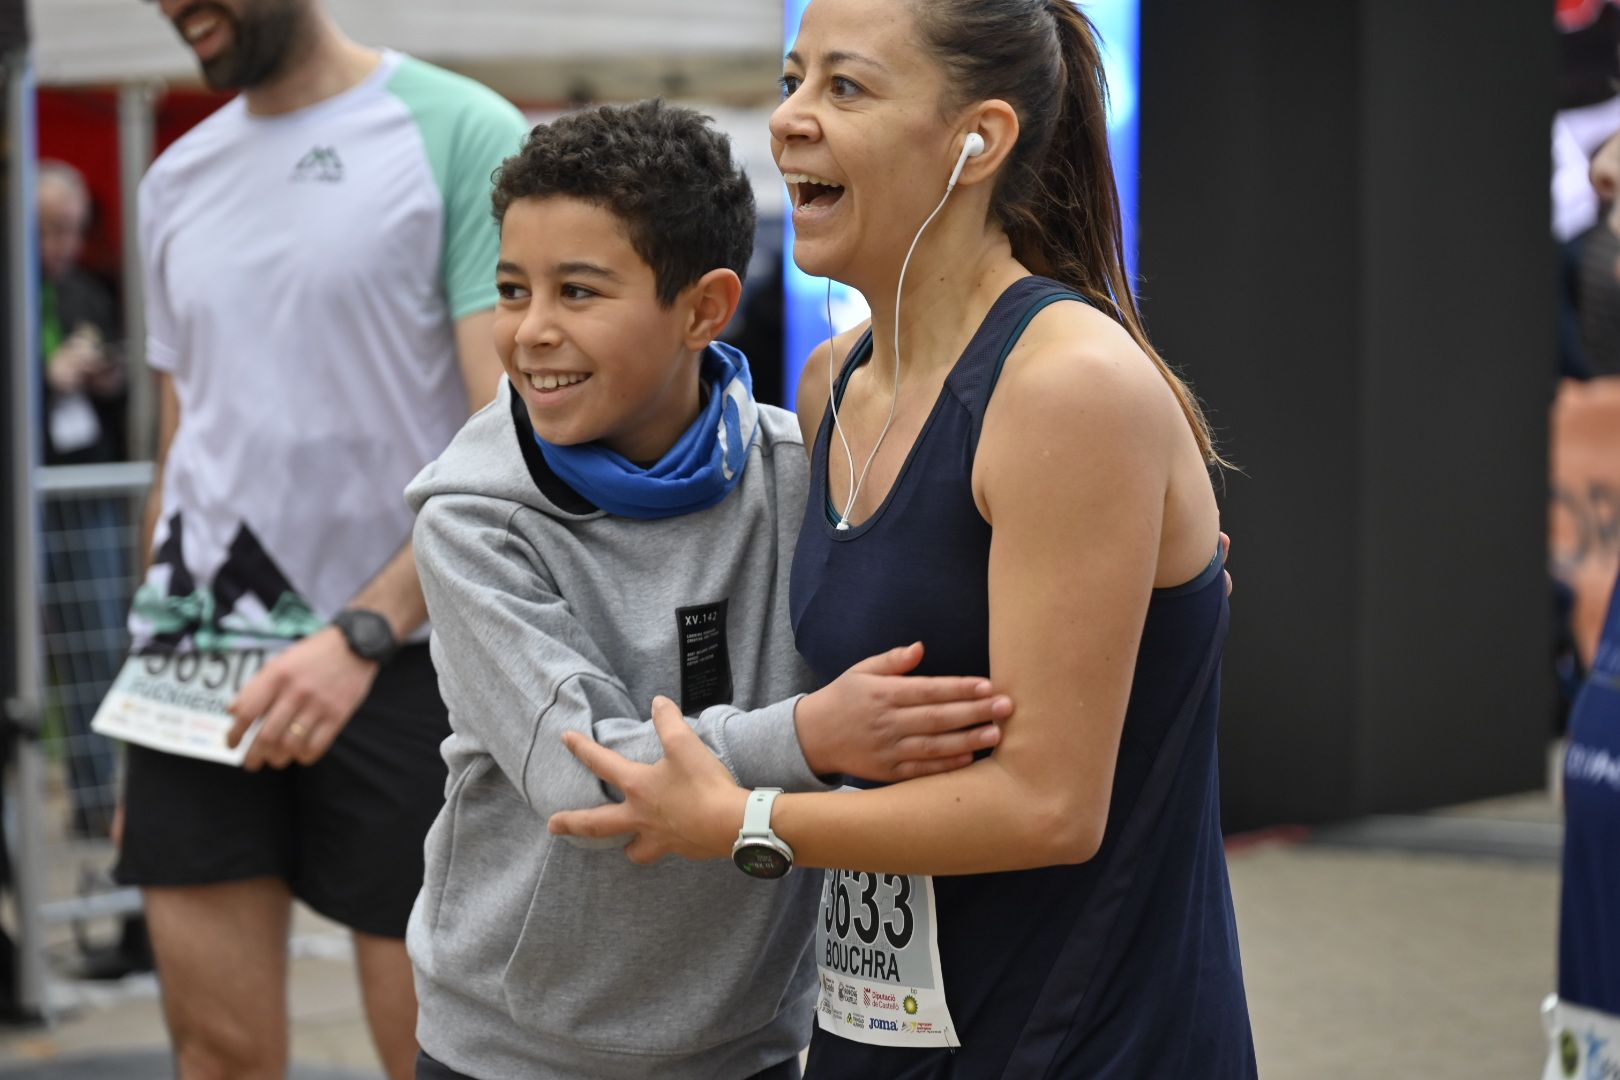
{"x": 1074, "y": 357}
{"x": 1090, "y": 403}
{"x": 811, "y": 402}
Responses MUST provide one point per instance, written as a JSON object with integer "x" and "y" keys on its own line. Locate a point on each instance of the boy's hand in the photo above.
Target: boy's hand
{"x": 686, "y": 803}
{"x": 876, "y": 722}
{"x": 1226, "y": 551}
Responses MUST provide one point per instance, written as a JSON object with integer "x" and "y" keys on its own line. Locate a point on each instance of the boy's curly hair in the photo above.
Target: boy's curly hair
{"x": 661, "y": 169}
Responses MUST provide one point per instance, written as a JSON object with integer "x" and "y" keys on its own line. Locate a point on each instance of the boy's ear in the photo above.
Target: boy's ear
{"x": 711, "y": 301}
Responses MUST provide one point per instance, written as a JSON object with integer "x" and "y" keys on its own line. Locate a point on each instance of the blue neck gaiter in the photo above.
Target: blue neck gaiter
{"x": 698, "y": 471}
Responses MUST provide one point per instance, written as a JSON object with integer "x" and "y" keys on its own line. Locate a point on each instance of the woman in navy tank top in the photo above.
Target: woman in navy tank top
{"x": 1017, "y": 481}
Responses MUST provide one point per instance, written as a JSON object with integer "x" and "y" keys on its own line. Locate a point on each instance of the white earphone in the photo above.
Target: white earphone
{"x": 972, "y": 147}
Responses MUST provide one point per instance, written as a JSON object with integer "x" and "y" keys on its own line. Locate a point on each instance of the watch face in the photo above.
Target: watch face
{"x": 761, "y": 861}
{"x": 368, "y": 633}
{"x": 372, "y": 634}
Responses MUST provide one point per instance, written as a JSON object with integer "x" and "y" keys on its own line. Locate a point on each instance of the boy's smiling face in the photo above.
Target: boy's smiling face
{"x": 583, "y": 337}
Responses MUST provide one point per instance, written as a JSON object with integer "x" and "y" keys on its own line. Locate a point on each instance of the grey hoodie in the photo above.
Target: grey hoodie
{"x": 539, "y": 957}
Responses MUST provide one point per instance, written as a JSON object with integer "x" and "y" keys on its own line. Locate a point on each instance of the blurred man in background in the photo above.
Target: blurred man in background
{"x": 84, "y": 376}
{"x": 85, "y": 538}
{"x": 319, "y": 262}
{"x": 1598, "y": 292}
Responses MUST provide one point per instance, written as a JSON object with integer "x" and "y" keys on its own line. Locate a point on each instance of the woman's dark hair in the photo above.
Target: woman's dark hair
{"x": 662, "y": 170}
{"x": 1055, "y": 196}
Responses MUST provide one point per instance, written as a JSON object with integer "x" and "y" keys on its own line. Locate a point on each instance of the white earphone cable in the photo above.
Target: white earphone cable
{"x": 832, "y": 402}
{"x": 894, "y": 400}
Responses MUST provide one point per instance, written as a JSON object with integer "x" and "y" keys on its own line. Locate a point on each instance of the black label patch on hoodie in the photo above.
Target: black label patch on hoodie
{"x": 705, "y": 659}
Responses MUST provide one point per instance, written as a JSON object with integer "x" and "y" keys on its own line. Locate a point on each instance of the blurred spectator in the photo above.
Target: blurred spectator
{"x": 1584, "y": 1018}
{"x": 1598, "y": 280}
{"x": 1588, "y": 108}
{"x": 1585, "y": 420}
{"x": 84, "y": 538}
{"x": 1588, "y": 65}
{"x": 1588, "y": 114}
{"x": 1585, "y": 184}
{"x": 84, "y": 375}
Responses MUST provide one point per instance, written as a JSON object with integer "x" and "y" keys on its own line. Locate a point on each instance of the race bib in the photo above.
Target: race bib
{"x": 879, "y": 956}
{"x": 1582, "y": 1042}
{"x": 176, "y": 701}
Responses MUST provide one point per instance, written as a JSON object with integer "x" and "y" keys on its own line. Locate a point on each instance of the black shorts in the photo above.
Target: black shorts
{"x": 345, "y": 833}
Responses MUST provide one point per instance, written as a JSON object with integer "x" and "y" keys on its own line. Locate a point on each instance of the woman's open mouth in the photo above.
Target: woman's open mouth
{"x": 812, "y": 195}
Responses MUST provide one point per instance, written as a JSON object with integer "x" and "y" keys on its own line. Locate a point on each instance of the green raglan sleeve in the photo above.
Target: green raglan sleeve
{"x": 468, "y": 131}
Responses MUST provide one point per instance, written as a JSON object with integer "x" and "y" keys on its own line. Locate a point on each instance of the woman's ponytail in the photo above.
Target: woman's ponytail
{"x": 1056, "y": 196}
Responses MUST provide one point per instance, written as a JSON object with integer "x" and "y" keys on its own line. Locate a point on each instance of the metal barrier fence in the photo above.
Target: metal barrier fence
{"x": 90, "y": 517}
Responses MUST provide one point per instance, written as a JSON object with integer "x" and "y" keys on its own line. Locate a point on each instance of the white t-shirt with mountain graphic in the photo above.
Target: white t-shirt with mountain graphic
{"x": 304, "y": 273}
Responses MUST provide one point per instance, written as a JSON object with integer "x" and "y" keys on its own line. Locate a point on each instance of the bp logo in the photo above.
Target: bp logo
{"x": 1569, "y": 1052}
{"x": 911, "y": 1005}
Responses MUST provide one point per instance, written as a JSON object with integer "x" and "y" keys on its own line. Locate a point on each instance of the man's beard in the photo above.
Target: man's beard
{"x": 265, "y": 39}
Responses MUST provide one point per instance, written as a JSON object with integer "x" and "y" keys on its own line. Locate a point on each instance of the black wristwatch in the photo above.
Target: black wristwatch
{"x": 368, "y": 634}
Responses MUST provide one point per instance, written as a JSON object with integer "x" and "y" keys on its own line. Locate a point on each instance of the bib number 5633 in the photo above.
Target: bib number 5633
{"x": 870, "y": 904}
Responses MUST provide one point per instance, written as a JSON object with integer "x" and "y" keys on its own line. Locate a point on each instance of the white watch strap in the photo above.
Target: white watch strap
{"x": 757, "y": 812}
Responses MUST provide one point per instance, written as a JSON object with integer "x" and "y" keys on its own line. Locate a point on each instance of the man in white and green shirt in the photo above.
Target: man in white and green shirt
{"x": 319, "y": 258}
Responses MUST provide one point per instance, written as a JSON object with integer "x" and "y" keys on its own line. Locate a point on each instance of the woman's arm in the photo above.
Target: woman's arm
{"x": 517, "y": 667}
{"x": 1073, "y": 471}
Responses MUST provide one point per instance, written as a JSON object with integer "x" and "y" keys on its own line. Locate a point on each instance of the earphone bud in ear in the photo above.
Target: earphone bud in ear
{"x": 972, "y": 147}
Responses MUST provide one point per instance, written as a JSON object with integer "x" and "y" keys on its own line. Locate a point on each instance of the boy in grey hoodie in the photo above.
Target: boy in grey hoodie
{"x": 619, "y": 523}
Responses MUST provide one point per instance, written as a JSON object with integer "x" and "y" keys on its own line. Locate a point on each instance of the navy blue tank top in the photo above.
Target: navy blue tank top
{"x": 1124, "y": 966}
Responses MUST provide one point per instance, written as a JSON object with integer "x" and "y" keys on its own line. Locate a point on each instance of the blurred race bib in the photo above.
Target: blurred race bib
{"x": 1583, "y": 1043}
{"x": 176, "y": 701}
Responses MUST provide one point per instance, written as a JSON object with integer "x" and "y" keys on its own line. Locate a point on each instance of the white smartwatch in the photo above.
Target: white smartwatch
{"x": 758, "y": 851}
